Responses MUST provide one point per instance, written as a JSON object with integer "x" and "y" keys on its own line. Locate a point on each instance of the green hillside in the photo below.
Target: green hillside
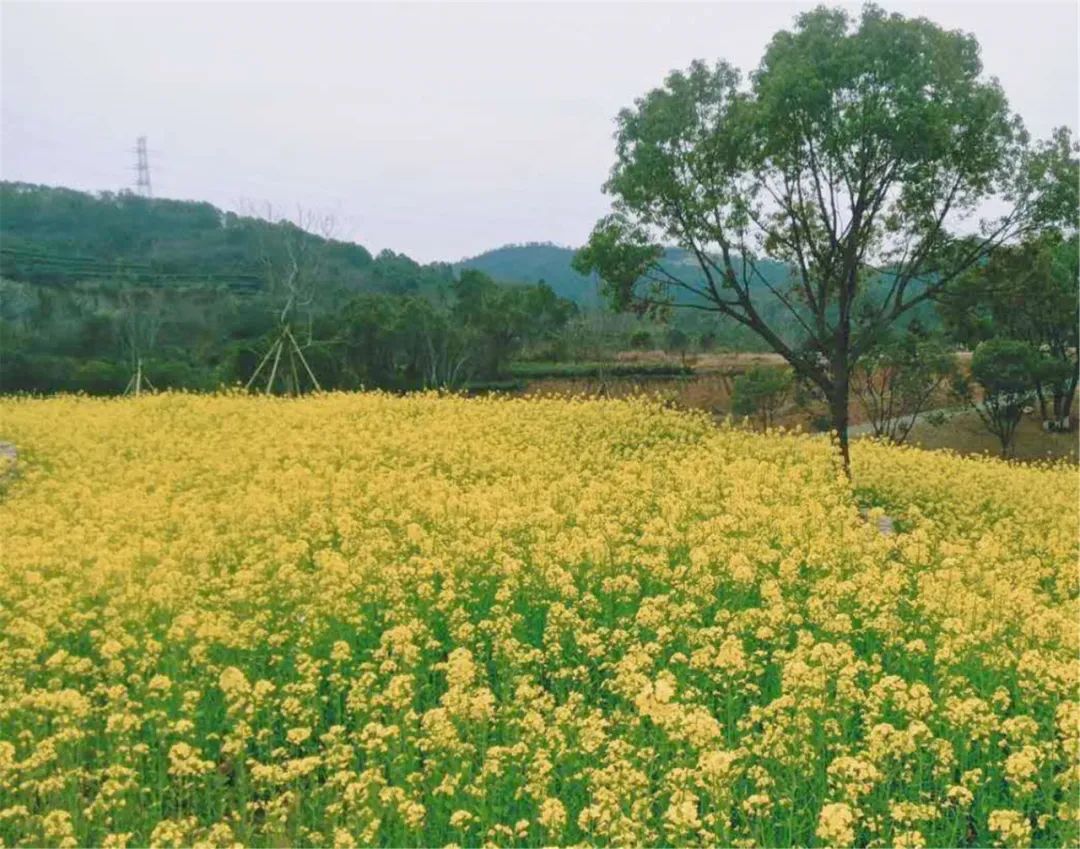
{"x": 535, "y": 261}
{"x": 59, "y": 236}
{"x": 92, "y": 285}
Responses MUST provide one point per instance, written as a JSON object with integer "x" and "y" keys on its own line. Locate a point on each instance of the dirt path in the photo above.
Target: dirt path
{"x": 866, "y": 428}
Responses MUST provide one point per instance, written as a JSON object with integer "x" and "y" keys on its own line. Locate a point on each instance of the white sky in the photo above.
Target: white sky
{"x": 437, "y": 130}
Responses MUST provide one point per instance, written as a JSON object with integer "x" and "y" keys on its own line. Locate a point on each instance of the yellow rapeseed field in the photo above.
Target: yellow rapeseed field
{"x": 359, "y": 619}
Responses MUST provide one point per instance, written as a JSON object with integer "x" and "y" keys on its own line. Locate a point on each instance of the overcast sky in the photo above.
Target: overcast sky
{"x": 434, "y": 130}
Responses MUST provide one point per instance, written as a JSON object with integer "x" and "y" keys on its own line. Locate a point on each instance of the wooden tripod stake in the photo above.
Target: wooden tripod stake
{"x": 134, "y": 385}
{"x": 285, "y": 341}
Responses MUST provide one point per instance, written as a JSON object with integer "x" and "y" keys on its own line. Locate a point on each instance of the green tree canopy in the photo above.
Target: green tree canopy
{"x": 858, "y": 153}
{"x": 1028, "y": 291}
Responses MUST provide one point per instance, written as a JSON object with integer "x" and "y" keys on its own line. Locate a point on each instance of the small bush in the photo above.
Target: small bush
{"x": 761, "y": 392}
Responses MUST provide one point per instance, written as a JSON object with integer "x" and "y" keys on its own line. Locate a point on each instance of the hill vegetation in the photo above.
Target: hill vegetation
{"x": 554, "y": 264}
{"x": 535, "y": 261}
{"x": 95, "y": 284}
{"x": 62, "y": 237}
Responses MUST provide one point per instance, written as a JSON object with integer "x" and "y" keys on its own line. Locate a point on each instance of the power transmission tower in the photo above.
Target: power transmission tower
{"x": 142, "y": 168}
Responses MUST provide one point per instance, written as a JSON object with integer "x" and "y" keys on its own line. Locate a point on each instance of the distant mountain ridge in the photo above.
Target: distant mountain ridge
{"x": 534, "y": 261}
{"x": 531, "y": 262}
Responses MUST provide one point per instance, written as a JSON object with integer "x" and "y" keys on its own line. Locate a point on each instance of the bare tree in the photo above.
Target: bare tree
{"x": 142, "y": 312}
{"x": 291, "y": 253}
{"x": 445, "y": 361}
{"x": 896, "y": 382}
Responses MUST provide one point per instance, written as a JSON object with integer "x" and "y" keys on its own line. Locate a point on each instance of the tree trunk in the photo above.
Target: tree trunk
{"x": 839, "y": 392}
{"x": 1042, "y": 399}
{"x": 838, "y": 408}
{"x": 1060, "y": 411}
{"x": 1067, "y": 404}
{"x": 1006, "y": 438}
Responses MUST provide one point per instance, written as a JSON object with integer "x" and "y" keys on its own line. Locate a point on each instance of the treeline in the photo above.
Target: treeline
{"x": 95, "y": 339}
{"x": 394, "y": 342}
{"x": 97, "y": 288}
{"x": 1019, "y": 315}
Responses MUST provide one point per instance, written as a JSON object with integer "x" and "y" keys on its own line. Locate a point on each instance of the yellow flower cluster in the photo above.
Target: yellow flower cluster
{"x": 357, "y": 619}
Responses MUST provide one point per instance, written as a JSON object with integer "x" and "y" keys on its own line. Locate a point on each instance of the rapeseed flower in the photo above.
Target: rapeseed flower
{"x": 357, "y": 619}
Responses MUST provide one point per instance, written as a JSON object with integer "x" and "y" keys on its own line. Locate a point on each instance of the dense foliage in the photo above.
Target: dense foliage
{"x": 63, "y": 237}
{"x": 94, "y": 284}
{"x": 1028, "y": 292}
{"x": 359, "y": 619}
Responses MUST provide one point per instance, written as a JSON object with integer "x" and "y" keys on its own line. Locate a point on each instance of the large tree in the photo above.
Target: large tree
{"x": 859, "y": 153}
{"x": 1027, "y": 292}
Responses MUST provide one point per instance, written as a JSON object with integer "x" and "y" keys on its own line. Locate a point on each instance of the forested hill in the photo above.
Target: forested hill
{"x": 99, "y": 290}
{"x": 535, "y": 261}
{"x": 92, "y": 285}
{"x": 59, "y": 236}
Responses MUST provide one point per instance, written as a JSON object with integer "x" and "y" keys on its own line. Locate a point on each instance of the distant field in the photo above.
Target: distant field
{"x": 360, "y": 619}
{"x": 620, "y": 368}
{"x": 704, "y": 382}
{"x": 723, "y": 361}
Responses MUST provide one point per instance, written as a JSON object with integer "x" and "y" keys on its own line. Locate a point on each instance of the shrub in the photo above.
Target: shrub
{"x": 1006, "y": 370}
{"x": 760, "y": 392}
